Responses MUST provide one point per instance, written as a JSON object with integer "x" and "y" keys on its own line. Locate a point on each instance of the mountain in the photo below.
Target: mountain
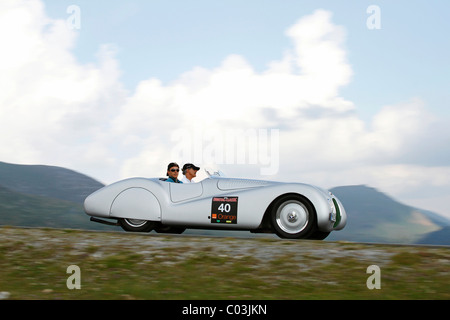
{"x": 48, "y": 196}
{"x": 44, "y": 196}
{"x": 47, "y": 181}
{"x": 375, "y": 217}
{"x": 440, "y": 237}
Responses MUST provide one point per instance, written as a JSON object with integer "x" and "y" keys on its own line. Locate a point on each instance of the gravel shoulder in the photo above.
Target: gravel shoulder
{"x": 116, "y": 265}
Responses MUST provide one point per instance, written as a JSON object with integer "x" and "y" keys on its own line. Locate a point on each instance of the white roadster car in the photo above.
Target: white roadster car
{"x": 291, "y": 210}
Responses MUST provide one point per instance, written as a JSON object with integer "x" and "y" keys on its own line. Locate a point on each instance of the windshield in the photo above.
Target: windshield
{"x": 214, "y": 173}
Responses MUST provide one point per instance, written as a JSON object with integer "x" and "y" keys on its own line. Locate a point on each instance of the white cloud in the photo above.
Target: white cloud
{"x": 320, "y": 55}
{"x": 55, "y": 110}
{"x": 52, "y": 108}
{"x": 234, "y": 95}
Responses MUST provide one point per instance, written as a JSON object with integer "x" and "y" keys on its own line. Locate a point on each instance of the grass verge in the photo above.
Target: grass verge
{"x": 34, "y": 262}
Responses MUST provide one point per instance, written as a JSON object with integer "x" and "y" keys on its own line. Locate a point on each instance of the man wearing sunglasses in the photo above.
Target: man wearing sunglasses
{"x": 172, "y": 172}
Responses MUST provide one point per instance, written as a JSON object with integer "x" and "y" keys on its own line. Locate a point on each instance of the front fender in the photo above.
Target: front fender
{"x": 136, "y": 203}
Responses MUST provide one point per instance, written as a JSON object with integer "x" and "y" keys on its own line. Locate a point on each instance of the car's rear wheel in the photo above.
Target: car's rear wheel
{"x": 136, "y": 225}
{"x": 293, "y": 217}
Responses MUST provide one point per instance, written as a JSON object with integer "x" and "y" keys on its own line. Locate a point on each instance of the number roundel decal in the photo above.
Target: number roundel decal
{"x": 224, "y": 210}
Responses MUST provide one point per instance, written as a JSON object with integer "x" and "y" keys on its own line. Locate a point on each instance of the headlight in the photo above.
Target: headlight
{"x": 338, "y": 213}
{"x": 332, "y": 208}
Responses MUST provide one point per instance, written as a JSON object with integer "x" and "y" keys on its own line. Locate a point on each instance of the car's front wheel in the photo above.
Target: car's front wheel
{"x": 293, "y": 217}
{"x": 135, "y": 225}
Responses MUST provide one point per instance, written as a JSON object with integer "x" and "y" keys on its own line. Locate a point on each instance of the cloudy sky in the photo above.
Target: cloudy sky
{"x": 324, "y": 92}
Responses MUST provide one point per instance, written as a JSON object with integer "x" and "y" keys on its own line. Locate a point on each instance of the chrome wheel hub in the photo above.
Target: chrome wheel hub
{"x": 292, "y": 216}
{"x": 135, "y": 222}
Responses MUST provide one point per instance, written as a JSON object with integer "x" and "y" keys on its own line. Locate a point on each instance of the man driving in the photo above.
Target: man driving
{"x": 189, "y": 172}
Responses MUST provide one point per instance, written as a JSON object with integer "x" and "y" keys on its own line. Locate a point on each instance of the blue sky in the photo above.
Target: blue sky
{"x": 406, "y": 57}
{"x": 143, "y": 83}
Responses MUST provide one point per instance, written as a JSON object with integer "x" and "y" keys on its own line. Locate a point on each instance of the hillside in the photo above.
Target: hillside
{"x": 375, "y": 217}
{"x": 18, "y": 209}
{"x": 47, "y": 196}
{"x": 48, "y": 181}
{"x": 44, "y": 196}
{"x": 440, "y": 237}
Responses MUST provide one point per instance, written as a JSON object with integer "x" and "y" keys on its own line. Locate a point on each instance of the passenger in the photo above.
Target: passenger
{"x": 189, "y": 172}
{"x": 172, "y": 172}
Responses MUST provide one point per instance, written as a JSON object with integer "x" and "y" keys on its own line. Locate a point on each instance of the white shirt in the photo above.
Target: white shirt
{"x": 186, "y": 180}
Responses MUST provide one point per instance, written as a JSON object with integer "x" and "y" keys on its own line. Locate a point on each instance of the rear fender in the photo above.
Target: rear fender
{"x": 136, "y": 203}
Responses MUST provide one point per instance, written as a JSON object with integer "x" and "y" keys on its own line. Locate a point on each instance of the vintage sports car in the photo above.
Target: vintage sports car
{"x": 291, "y": 210}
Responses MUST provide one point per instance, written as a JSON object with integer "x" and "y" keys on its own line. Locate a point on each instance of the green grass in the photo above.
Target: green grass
{"x": 33, "y": 264}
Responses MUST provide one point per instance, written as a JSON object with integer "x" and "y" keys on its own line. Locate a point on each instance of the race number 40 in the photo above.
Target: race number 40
{"x": 224, "y": 210}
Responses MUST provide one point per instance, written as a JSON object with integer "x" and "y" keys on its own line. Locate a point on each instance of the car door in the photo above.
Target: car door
{"x": 184, "y": 191}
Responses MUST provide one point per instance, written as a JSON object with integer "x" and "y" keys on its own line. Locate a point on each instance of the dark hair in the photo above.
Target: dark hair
{"x": 189, "y": 166}
{"x": 172, "y": 164}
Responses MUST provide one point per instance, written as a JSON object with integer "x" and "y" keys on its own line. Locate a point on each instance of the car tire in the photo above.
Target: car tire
{"x": 293, "y": 217}
{"x": 134, "y": 225}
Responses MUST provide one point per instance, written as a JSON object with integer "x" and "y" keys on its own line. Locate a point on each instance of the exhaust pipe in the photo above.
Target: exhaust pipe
{"x": 110, "y": 223}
